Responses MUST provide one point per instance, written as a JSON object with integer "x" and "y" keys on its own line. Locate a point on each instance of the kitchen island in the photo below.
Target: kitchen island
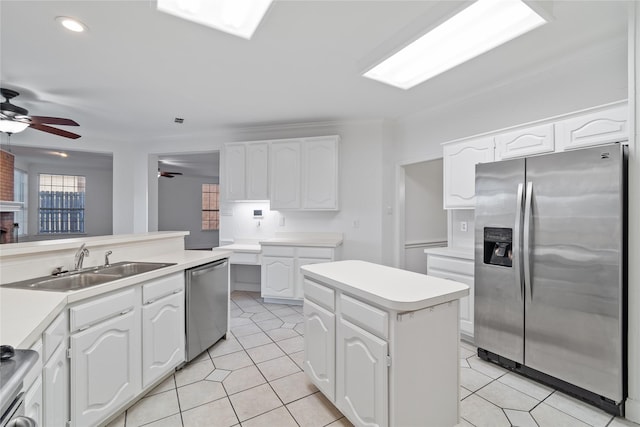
{"x": 382, "y": 344}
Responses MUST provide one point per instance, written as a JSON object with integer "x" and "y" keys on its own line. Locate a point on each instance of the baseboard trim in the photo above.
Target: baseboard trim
{"x": 632, "y": 410}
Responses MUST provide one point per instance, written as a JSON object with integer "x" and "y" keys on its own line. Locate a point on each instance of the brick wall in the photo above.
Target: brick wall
{"x": 6, "y": 193}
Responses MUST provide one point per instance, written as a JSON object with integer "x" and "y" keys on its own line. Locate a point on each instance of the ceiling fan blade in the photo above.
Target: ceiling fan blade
{"x": 55, "y": 131}
{"x": 53, "y": 121}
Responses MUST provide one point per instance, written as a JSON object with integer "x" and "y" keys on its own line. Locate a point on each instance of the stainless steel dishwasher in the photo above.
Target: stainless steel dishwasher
{"x": 207, "y": 305}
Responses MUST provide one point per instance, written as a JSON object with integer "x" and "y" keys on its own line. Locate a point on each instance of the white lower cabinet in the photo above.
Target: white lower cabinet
{"x": 105, "y": 368}
{"x": 460, "y": 270}
{"x": 362, "y": 375}
{"x": 280, "y": 274}
{"x": 163, "y": 339}
{"x": 278, "y": 280}
{"x": 55, "y": 376}
{"x": 319, "y": 347}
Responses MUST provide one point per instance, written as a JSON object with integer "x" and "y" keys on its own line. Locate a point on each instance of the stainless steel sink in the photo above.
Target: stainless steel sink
{"x": 88, "y": 277}
{"x": 127, "y": 268}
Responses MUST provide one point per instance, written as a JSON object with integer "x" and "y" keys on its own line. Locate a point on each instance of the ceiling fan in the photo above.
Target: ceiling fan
{"x": 14, "y": 119}
{"x": 167, "y": 174}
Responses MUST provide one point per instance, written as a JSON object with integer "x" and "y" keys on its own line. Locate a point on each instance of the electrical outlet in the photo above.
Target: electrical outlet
{"x": 281, "y": 221}
{"x": 356, "y": 223}
{"x": 463, "y": 226}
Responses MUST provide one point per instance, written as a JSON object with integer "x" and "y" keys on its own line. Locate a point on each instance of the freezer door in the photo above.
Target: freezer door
{"x": 499, "y": 298}
{"x": 574, "y": 297}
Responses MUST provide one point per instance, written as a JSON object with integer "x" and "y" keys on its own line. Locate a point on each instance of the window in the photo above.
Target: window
{"x": 210, "y": 207}
{"x": 20, "y": 188}
{"x": 61, "y": 205}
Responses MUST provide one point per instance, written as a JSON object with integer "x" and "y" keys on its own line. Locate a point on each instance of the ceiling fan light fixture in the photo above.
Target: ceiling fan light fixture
{"x": 11, "y": 126}
{"x": 71, "y": 24}
{"x": 483, "y": 26}
{"x": 237, "y": 17}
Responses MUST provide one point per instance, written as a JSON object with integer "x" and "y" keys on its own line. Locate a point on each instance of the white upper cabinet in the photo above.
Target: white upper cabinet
{"x": 460, "y": 159}
{"x": 246, "y": 171}
{"x": 595, "y": 128}
{"x": 257, "y": 173}
{"x": 234, "y": 160}
{"x": 304, "y": 173}
{"x": 320, "y": 173}
{"x": 525, "y": 142}
{"x": 284, "y": 168}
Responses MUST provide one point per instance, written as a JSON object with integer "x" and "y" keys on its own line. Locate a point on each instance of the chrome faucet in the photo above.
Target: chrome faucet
{"x": 79, "y": 258}
{"x": 106, "y": 258}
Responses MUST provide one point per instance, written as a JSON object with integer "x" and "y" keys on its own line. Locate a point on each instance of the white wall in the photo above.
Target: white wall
{"x": 180, "y": 209}
{"x": 98, "y": 197}
{"x": 360, "y": 183}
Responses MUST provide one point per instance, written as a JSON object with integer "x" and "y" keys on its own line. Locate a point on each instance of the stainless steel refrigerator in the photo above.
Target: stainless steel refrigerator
{"x": 550, "y": 270}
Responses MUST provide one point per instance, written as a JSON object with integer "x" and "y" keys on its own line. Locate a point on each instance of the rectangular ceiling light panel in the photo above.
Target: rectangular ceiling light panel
{"x": 237, "y": 17}
{"x": 479, "y": 28}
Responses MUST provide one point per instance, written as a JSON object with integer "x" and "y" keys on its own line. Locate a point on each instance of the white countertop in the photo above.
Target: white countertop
{"x": 387, "y": 287}
{"x": 25, "y": 314}
{"x": 463, "y": 253}
{"x": 329, "y": 240}
{"x": 250, "y": 248}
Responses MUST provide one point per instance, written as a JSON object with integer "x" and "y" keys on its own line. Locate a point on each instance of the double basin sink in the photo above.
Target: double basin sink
{"x": 88, "y": 277}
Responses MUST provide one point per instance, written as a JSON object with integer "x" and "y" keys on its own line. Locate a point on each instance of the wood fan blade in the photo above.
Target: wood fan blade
{"x": 55, "y": 131}
{"x": 53, "y": 121}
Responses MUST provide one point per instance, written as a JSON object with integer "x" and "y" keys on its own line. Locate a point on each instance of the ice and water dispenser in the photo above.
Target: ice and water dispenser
{"x": 498, "y": 246}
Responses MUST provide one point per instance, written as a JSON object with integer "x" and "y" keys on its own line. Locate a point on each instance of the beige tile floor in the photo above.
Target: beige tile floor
{"x": 255, "y": 379}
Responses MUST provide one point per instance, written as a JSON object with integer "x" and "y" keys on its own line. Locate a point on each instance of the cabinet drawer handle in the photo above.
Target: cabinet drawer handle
{"x": 122, "y": 313}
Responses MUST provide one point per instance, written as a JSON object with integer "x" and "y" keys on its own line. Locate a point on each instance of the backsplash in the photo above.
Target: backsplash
{"x": 462, "y": 239}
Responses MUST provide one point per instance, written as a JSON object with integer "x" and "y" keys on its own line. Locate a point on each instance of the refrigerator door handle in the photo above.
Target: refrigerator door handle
{"x": 526, "y": 244}
{"x": 517, "y": 266}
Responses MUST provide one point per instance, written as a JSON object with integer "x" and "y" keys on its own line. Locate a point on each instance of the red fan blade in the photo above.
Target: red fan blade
{"x": 53, "y": 121}
{"x": 55, "y": 131}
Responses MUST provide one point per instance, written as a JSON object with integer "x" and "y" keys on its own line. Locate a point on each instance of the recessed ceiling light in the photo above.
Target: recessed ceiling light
{"x": 479, "y": 28}
{"x": 71, "y": 24}
{"x": 237, "y": 17}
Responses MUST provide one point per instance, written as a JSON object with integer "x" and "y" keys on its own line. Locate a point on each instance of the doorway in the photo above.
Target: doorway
{"x": 425, "y": 220}
{"x": 188, "y": 197}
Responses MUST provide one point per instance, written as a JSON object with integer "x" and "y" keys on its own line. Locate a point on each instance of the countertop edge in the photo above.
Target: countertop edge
{"x": 451, "y": 252}
{"x": 458, "y": 290}
{"x": 189, "y": 259}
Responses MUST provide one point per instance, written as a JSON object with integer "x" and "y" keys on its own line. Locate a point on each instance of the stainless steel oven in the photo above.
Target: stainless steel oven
{"x": 14, "y": 417}
{"x": 14, "y": 366}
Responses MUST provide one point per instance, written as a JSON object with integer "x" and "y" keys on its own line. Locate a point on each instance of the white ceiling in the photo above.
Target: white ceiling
{"x": 137, "y": 68}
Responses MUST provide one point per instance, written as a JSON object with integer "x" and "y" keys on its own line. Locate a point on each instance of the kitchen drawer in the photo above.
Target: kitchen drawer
{"x": 162, "y": 287}
{"x": 103, "y": 308}
{"x": 364, "y": 315}
{"x": 319, "y": 294}
{"x": 54, "y": 335}
{"x": 280, "y": 251}
{"x": 437, "y": 263}
{"x": 245, "y": 258}
{"x": 304, "y": 252}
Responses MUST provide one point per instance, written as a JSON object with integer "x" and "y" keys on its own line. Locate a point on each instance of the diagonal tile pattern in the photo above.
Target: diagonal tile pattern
{"x": 254, "y": 378}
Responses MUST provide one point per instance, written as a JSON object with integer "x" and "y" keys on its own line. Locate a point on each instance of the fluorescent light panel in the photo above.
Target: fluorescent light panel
{"x": 480, "y": 27}
{"x": 237, "y": 17}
